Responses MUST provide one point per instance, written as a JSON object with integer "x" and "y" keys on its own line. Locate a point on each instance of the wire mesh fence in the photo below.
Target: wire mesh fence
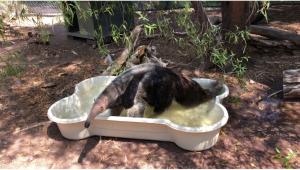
{"x": 42, "y": 7}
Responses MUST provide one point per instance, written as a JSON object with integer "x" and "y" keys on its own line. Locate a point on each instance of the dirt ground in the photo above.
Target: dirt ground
{"x": 248, "y": 140}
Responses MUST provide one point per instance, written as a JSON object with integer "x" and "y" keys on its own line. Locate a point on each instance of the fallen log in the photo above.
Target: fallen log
{"x": 264, "y": 42}
{"x": 116, "y": 67}
{"x": 291, "y": 84}
{"x": 144, "y": 54}
{"x": 275, "y": 33}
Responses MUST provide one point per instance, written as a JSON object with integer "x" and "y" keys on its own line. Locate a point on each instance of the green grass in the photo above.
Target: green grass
{"x": 234, "y": 99}
{"x": 13, "y": 65}
{"x": 10, "y": 70}
{"x": 285, "y": 159}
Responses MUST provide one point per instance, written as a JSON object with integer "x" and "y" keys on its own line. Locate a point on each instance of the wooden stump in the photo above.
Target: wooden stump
{"x": 291, "y": 84}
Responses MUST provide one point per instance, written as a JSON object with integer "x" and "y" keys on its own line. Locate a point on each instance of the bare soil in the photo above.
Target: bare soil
{"x": 248, "y": 140}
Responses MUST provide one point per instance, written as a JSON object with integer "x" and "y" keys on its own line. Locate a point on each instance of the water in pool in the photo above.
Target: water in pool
{"x": 202, "y": 115}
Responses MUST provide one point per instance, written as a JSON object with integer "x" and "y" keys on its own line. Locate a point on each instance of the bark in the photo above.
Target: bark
{"x": 205, "y": 24}
{"x": 275, "y": 33}
{"x": 291, "y": 84}
{"x": 201, "y": 15}
{"x": 234, "y": 14}
{"x": 121, "y": 60}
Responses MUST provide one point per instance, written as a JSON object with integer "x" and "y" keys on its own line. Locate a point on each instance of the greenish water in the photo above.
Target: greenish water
{"x": 202, "y": 115}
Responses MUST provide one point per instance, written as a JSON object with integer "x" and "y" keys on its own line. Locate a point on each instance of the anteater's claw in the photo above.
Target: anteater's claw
{"x": 87, "y": 124}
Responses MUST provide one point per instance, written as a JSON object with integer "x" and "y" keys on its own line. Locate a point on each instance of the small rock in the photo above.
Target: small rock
{"x": 77, "y": 62}
{"x": 18, "y": 82}
{"x": 74, "y": 52}
{"x": 62, "y": 74}
{"x": 108, "y": 59}
{"x": 49, "y": 85}
{"x": 251, "y": 81}
{"x": 17, "y": 130}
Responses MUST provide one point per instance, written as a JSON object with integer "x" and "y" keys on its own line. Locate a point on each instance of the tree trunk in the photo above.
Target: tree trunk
{"x": 205, "y": 24}
{"x": 201, "y": 15}
{"x": 234, "y": 14}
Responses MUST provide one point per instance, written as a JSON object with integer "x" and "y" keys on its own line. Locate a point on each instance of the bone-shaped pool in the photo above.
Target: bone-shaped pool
{"x": 195, "y": 128}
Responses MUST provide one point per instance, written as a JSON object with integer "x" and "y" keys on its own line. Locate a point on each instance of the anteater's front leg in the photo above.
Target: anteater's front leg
{"x": 138, "y": 108}
{"x": 116, "y": 111}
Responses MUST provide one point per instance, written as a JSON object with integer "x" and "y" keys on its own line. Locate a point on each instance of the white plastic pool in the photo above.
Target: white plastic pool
{"x": 70, "y": 113}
